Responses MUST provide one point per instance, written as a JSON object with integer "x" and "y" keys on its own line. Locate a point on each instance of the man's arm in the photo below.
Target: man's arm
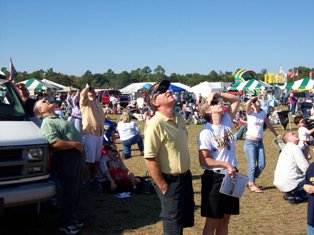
{"x": 156, "y": 175}
{"x": 65, "y": 145}
{"x": 84, "y": 96}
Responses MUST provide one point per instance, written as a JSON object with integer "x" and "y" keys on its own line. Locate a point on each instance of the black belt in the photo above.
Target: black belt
{"x": 76, "y": 117}
{"x": 177, "y": 176}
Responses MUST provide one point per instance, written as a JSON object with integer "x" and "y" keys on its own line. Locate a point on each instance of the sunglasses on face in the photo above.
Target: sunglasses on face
{"x": 161, "y": 90}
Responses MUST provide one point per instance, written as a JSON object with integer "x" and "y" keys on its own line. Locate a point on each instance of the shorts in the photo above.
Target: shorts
{"x": 92, "y": 148}
{"x": 177, "y": 204}
{"x": 215, "y": 204}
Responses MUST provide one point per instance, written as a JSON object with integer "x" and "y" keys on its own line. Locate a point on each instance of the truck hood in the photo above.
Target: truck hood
{"x": 20, "y": 133}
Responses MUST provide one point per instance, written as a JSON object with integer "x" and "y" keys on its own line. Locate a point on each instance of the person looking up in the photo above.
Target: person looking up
{"x": 167, "y": 158}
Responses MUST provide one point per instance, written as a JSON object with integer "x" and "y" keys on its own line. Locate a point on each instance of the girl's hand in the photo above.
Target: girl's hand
{"x": 211, "y": 96}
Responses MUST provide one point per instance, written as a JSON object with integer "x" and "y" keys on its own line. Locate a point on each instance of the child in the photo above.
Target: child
{"x": 304, "y": 136}
{"x": 309, "y": 188}
{"x": 106, "y": 180}
{"x": 125, "y": 182}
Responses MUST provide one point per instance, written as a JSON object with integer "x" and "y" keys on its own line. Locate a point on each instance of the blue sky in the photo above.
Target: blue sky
{"x": 182, "y": 36}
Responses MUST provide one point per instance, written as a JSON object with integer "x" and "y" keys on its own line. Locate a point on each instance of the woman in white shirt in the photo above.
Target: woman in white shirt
{"x": 217, "y": 156}
{"x": 253, "y": 146}
{"x": 130, "y": 134}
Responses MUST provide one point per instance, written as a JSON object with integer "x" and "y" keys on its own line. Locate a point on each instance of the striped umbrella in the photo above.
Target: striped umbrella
{"x": 251, "y": 84}
{"x": 302, "y": 84}
{"x": 34, "y": 84}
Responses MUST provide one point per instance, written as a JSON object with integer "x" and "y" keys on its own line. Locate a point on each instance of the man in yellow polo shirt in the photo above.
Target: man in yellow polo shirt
{"x": 167, "y": 158}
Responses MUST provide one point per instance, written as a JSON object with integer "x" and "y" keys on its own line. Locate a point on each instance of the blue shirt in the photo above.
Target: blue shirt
{"x": 108, "y": 129}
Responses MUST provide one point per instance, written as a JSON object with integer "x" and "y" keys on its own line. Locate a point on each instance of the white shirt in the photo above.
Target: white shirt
{"x": 255, "y": 122}
{"x": 303, "y": 136}
{"x": 127, "y": 130}
{"x": 290, "y": 169}
{"x": 217, "y": 138}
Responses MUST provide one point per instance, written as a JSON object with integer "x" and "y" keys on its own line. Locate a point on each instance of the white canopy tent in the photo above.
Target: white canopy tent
{"x": 206, "y": 87}
{"x": 135, "y": 87}
{"x": 54, "y": 84}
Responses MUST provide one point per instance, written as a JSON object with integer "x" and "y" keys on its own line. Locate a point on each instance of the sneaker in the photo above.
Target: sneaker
{"x": 78, "y": 224}
{"x": 70, "y": 230}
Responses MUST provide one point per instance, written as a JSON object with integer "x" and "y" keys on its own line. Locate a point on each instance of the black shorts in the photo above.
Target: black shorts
{"x": 215, "y": 204}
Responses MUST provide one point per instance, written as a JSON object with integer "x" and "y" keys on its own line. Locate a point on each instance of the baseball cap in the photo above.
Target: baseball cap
{"x": 157, "y": 87}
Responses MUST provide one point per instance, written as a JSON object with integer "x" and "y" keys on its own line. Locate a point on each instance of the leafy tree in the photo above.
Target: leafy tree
{"x": 160, "y": 73}
{"x": 263, "y": 71}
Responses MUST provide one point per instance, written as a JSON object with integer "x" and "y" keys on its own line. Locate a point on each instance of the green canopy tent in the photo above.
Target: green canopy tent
{"x": 302, "y": 84}
{"x": 251, "y": 84}
{"x": 35, "y": 84}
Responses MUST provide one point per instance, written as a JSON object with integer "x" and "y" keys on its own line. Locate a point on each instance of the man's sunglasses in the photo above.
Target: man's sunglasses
{"x": 161, "y": 90}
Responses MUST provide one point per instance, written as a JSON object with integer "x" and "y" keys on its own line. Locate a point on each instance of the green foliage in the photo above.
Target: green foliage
{"x": 110, "y": 79}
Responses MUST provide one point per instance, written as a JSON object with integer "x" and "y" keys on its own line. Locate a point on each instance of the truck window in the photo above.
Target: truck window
{"x": 10, "y": 105}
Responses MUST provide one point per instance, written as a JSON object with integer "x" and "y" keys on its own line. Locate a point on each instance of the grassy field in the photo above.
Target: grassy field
{"x": 263, "y": 213}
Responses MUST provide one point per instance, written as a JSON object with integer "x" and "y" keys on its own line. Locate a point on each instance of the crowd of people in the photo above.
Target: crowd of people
{"x": 84, "y": 149}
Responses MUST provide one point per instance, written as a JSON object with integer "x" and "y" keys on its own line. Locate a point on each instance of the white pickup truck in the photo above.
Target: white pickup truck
{"x": 24, "y": 155}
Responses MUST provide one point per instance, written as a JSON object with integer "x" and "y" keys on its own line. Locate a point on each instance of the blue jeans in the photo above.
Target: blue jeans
{"x": 310, "y": 229}
{"x": 77, "y": 123}
{"x": 255, "y": 155}
{"x": 292, "y": 109}
{"x": 126, "y": 144}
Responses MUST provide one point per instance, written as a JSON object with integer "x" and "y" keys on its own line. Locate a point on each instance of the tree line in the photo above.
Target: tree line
{"x": 110, "y": 79}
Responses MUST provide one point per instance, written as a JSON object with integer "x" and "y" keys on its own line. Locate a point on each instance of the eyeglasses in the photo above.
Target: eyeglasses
{"x": 160, "y": 91}
{"x": 45, "y": 101}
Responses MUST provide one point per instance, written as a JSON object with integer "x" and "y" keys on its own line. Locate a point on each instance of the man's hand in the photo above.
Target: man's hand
{"x": 78, "y": 146}
{"x": 163, "y": 188}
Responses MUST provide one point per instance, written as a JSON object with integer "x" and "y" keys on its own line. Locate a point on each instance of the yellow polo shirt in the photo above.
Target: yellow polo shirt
{"x": 167, "y": 141}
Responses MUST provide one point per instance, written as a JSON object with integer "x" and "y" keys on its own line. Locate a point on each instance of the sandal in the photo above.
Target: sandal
{"x": 255, "y": 189}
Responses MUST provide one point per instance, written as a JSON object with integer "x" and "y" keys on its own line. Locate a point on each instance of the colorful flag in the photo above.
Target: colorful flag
{"x": 310, "y": 75}
{"x": 13, "y": 72}
{"x": 291, "y": 73}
